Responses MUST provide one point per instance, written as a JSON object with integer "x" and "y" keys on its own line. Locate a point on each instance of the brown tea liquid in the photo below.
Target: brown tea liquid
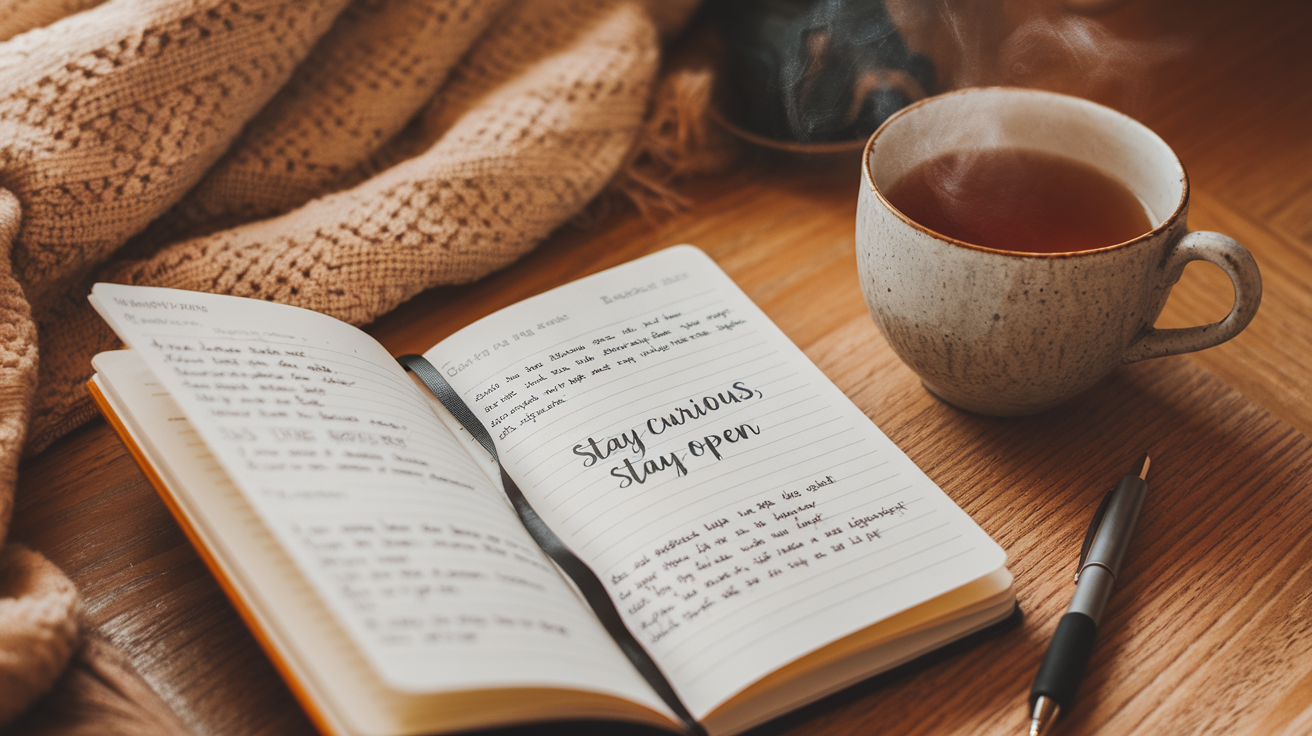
{"x": 1020, "y": 200}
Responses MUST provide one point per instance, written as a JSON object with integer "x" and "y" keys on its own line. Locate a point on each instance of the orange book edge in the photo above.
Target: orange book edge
{"x": 298, "y": 689}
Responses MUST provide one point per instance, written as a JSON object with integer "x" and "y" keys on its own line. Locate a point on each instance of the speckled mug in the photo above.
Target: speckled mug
{"x": 1010, "y": 333}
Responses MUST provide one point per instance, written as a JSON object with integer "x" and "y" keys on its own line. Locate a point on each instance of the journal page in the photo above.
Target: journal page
{"x": 739, "y": 508}
{"x": 383, "y": 512}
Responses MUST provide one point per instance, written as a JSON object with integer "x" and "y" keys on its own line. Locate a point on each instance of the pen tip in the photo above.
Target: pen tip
{"x": 1141, "y": 467}
{"x": 1043, "y": 714}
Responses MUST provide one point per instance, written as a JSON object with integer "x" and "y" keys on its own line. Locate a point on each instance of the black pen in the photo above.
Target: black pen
{"x": 1100, "y": 561}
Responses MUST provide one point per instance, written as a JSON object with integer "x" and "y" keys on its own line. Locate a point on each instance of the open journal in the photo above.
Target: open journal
{"x": 760, "y": 537}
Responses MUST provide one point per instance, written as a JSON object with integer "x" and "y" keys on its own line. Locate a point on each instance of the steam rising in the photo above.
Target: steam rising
{"x": 833, "y": 70}
{"x": 1082, "y": 56}
{"x": 1040, "y": 44}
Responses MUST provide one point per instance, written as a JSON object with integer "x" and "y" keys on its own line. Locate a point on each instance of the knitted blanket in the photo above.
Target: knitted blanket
{"x": 333, "y": 154}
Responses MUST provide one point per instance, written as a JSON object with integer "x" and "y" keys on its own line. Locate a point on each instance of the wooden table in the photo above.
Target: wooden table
{"x": 1211, "y": 630}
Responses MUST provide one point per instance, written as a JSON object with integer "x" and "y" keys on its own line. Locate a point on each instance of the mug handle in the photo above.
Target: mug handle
{"x": 1238, "y": 264}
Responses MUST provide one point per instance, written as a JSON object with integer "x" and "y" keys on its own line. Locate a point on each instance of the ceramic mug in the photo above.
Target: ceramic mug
{"x": 1011, "y": 333}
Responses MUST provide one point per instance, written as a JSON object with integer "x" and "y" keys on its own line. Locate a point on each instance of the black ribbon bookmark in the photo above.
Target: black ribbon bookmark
{"x": 582, "y": 575}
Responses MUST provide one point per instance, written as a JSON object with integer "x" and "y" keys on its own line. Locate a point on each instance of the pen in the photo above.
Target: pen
{"x": 1100, "y": 561}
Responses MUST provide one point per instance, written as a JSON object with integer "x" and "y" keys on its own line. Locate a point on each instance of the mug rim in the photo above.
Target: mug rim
{"x": 1168, "y": 222}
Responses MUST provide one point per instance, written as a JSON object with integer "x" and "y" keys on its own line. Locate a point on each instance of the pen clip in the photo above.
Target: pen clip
{"x": 1092, "y": 532}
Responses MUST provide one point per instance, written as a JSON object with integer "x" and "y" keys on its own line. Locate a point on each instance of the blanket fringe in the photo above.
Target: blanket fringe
{"x": 680, "y": 139}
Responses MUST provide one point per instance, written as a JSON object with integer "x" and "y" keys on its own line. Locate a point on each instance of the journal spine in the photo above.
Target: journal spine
{"x": 587, "y": 581}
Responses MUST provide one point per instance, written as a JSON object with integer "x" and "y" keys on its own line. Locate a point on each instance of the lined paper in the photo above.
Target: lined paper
{"x": 384, "y": 513}
{"x": 740, "y": 509}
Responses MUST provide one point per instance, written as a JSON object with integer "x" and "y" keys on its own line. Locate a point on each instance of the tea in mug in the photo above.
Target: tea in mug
{"x": 1020, "y": 200}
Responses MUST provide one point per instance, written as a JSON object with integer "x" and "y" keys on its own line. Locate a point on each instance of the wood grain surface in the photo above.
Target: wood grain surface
{"x": 1210, "y": 630}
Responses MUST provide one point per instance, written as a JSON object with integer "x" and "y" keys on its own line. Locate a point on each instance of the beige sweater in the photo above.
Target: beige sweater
{"x": 341, "y": 156}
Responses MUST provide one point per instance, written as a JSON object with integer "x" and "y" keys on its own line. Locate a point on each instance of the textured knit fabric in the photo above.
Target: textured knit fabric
{"x": 340, "y": 156}
{"x": 38, "y": 626}
{"x": 17, "y": 16}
